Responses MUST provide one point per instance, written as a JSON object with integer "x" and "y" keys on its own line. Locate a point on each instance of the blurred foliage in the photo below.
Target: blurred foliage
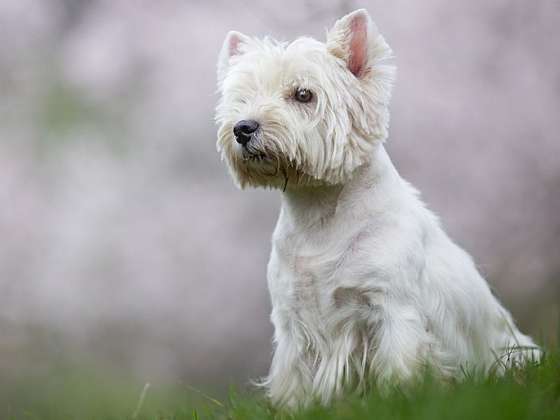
{"x": 64, "y": 115}
{"x": 64, "y": 108}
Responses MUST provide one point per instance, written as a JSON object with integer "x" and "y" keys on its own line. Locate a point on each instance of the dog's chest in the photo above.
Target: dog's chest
{"x": 300, "y": 277}
{"x": 314, "y": 281}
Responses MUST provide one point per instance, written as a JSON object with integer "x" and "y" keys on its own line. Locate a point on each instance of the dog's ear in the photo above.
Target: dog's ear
{"x": 355, "y": 39}
{"x": 233, "y": 45}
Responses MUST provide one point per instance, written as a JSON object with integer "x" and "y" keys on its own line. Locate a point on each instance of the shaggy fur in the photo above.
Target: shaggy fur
{"x": 366, "y": 287}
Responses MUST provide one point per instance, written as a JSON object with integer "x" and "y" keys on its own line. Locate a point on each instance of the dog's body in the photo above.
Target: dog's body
{"x": 365, "y": 285}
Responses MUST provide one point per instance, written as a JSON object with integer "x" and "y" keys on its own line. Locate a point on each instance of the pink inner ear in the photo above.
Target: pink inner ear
{"x": 358, "y": 45}
{"x": 234, "y": 42}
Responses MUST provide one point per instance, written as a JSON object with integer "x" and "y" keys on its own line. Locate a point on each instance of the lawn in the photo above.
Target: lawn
{"x": 531, "y": 393}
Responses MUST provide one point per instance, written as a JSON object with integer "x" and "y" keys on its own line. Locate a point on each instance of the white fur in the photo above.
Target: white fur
{"x": 366, "y": 287}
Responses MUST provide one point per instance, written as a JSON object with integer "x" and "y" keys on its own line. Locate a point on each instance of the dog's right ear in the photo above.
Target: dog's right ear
{"x": 355, "y": 39}
{"x": 233, "y": 46}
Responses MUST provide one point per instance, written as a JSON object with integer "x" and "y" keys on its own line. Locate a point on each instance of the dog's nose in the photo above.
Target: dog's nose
{"x": 243, "y": 130}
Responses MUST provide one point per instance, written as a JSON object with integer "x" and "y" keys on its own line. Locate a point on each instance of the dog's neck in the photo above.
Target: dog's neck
{"x": 317, "y": 205}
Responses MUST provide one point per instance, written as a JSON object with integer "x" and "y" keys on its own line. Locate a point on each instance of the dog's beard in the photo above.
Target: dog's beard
{"x": 267, "y": 166}
{"x": 254, "y": 151}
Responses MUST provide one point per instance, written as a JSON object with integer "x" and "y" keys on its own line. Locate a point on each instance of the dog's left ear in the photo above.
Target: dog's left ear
{"x": 355, "y": 39}
{"x": 233, "y": 46}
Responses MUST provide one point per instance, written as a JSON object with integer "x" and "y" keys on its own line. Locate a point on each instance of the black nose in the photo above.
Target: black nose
{"x": 243, "y": 130}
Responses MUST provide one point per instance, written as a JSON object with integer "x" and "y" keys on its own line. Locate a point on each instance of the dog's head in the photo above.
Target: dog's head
{"x": 304, "y": 112}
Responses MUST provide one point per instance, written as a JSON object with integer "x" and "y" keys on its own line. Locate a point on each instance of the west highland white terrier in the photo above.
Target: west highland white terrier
{"x": 366, "y": 287}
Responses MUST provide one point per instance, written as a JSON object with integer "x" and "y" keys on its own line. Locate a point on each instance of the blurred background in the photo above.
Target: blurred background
{"x": 125, "y": 247}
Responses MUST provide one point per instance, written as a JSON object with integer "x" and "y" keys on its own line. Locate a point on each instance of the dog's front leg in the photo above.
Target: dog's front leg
{"x": 289, "y": 380}
{"x": 401, "y": 346}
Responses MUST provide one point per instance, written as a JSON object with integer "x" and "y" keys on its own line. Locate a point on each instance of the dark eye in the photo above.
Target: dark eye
{"x": 303, "y": 95}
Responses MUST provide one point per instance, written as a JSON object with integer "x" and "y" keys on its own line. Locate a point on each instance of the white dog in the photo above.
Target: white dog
{"x": 365, "y": 285}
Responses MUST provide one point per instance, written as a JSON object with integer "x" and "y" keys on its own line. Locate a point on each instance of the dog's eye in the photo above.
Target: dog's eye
{"x": 303, "y": 95}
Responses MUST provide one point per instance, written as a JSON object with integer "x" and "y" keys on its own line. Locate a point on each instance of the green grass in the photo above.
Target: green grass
{"x": 531, "y": 393}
